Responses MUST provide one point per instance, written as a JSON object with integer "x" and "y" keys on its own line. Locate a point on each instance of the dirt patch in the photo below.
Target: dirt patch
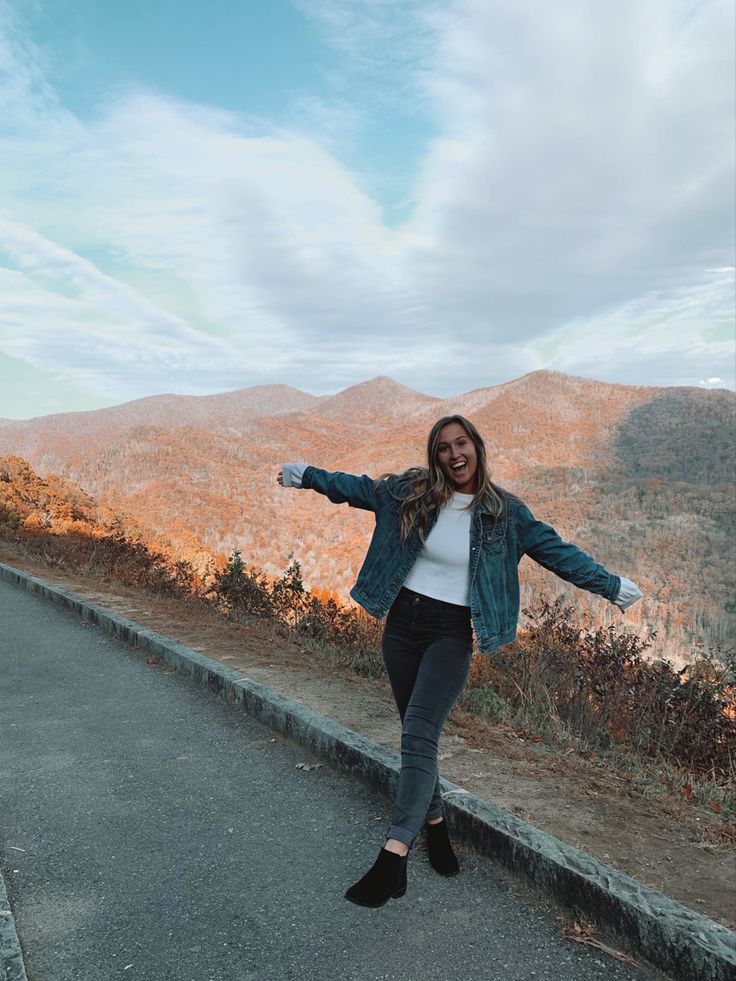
{"x": 675, "y": 846}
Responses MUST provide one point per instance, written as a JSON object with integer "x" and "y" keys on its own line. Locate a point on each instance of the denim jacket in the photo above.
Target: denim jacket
{"x": 495, "y": 551}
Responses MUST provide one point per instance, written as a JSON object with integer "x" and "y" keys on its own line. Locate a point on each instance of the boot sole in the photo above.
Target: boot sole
{"x": 447, "y": 875}
{"x": 396, "y": 895}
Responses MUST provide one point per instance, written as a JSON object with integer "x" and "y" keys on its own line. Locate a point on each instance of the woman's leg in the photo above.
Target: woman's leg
{"x": 440, "y": 678}
{"x": 402, "y": 655}
{"x": 427, "y": 652}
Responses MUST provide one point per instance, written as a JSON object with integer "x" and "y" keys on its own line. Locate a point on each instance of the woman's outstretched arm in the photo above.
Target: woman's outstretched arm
{"x": 543, "y": 544}
{"x": 338, "y": 487}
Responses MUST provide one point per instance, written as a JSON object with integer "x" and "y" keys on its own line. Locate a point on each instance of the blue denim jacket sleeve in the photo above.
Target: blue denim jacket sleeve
{"x": 342, "y": 488}
{"x": 541, "y": 542}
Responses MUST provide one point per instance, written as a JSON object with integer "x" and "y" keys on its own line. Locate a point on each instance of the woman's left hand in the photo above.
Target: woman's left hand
{"x": 628, "y": 594}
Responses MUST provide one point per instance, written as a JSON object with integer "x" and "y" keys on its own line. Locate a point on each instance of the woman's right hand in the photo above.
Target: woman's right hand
{"x": 290, "y": 475}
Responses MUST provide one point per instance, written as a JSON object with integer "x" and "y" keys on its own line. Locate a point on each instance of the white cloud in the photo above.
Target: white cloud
{"x": 676, "y": 334}
{"x": 381, "y": 39}
{"x": 586, "y": 157}
{"x": 93, "y": 327}
{"x": 578, "y": 192}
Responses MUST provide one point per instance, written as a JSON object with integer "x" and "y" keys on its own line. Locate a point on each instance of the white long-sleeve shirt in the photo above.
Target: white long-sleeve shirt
{"x": 442, "y": 569}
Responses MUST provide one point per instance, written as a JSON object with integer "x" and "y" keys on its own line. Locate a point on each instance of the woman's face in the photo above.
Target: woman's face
{"x": 457, "y": 458}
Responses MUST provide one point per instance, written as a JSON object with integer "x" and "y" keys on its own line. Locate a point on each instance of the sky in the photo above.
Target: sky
{"x": 199, "y": 197}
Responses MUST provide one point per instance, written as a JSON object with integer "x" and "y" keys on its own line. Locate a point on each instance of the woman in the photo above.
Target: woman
{"x": 442, "y": 562}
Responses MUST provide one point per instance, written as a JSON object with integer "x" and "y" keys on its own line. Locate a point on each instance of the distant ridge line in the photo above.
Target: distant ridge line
{"x": 280, "y": 399}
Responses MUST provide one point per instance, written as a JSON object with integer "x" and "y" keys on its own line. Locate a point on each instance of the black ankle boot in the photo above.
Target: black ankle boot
{"x": 441, "y": 855}
{"x": 385, "y": 879}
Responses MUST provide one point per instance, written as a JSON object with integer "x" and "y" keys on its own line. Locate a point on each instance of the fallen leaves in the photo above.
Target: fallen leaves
{"x": 523, "y": 734}
{"x": 580, "y": 932}
{"x": 687, "y": 793}
{"x": 308, "y": 766}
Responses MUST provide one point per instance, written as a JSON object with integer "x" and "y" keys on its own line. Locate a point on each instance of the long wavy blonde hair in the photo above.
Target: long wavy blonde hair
{"x": 430, "y": 489}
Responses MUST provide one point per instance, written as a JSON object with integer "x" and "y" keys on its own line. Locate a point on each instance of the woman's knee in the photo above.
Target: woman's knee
{"x": 422, "y": 751}
{"x": 420, "y": 730}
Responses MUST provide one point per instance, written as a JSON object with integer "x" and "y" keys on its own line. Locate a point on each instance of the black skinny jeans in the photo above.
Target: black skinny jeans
{"x": 427, "y": 647}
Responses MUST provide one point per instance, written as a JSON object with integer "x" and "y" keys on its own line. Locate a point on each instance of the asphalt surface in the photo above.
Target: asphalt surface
{"x": 151, "y": 831}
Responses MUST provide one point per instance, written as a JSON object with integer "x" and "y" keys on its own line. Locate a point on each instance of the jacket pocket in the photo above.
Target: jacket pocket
{"x": 492, "y": 541}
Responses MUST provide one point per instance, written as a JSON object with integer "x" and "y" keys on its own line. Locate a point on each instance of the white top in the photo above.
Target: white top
{"x": 442, "y": 570}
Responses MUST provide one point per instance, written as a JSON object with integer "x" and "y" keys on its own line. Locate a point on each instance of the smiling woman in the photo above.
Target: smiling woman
{"x": 442, "y": 563}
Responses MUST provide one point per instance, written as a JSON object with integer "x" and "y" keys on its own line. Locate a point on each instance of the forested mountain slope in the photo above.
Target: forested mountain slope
{"x": 641, "y": 478}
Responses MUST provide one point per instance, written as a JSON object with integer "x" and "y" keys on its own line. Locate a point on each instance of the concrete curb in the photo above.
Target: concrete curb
{"x": 677, "y": 940}
{"x": 11, "y": 956}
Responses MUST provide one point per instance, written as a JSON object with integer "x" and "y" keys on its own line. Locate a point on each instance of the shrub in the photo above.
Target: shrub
{"x": 351, "y": 637}
{"x": 484, "y": 702}
{"x": 596, "y": 685}
{"x": 239, "y": 590}
{"x": 289, "y": 598}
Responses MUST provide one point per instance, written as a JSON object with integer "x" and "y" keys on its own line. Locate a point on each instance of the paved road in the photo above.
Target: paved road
{"x": 149, "y": 831}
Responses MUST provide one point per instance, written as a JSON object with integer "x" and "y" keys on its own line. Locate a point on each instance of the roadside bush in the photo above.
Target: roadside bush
{"x": 347, "y": 636}
{"x": 289, "y": 598}
{"x": 484, "y": 702}
{"x": 111, "y": 556}
{"x": 350, "y": 637}
{"x": 238, "y": 590}
{"x": 596, "y": 685}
